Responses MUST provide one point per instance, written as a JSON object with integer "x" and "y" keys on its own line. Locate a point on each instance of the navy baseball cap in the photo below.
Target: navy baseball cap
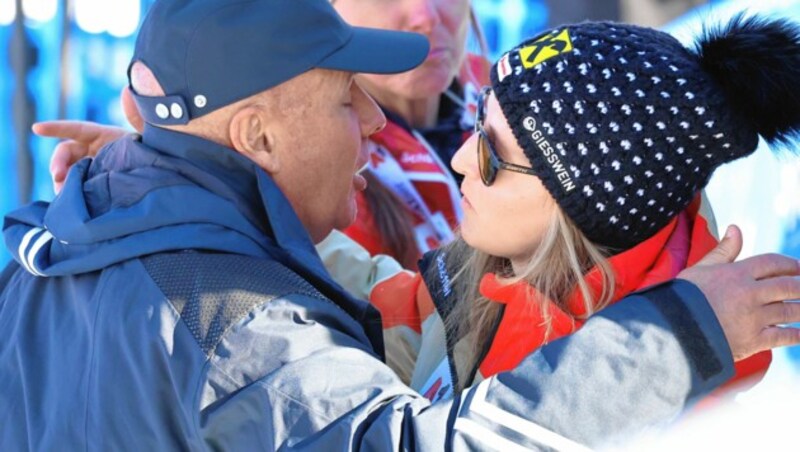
{"x": 207, "y": 54}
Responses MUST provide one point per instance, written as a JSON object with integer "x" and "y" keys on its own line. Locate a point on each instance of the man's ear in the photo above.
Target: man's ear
{"x": 131, "y": 110}
{"x": 251, "y": 136}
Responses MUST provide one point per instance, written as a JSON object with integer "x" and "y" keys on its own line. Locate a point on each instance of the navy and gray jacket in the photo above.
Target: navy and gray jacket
{"x": 169, "y": 298}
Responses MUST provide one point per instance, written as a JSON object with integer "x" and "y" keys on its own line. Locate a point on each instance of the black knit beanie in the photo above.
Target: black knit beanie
{"x": 624, "y": 125}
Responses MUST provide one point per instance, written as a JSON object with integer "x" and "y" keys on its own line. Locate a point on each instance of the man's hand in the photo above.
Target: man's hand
{"x": 749, "y": 297}
{"x": 83, "y": 139}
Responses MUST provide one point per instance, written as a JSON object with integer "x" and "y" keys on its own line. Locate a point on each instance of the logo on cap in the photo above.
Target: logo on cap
{"x": 550, "y": 155}
{"x": 529, "y": 124}
{"x": 544, "y": 48}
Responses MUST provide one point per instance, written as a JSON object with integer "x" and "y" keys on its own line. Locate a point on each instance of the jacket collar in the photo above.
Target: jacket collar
{"x": 655, "y": 260}
{"x": 172, "y": 191}
{"x": 660, "y": 258}
{"x": 265, "y": 200}
{"x": 255, "y": 191}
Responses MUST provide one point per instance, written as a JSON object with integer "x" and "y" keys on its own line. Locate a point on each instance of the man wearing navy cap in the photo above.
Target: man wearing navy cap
{"x": 171, "y": 298}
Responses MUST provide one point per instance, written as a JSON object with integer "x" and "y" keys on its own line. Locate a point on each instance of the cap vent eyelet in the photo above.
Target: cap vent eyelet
{"x": 176, "y": 110}
{"x": 162, "y": 111}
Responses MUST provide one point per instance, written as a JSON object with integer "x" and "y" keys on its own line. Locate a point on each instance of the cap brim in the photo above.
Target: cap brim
{"x": 375, "y": 51}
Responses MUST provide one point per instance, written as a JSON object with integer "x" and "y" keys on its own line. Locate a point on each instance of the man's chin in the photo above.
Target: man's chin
{"x": 349, "y": 215}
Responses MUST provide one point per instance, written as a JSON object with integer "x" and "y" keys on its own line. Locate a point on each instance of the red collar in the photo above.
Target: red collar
{"x": 522, "y": 330}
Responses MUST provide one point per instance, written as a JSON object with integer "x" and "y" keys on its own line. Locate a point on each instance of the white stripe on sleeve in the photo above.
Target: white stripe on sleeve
{"x": 37, "y": 246}
{"x": 26, "y": 240}
{"x": 535, "y": 432}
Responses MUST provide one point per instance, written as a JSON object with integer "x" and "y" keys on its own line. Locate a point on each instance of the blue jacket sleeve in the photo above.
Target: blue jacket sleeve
{"x": 635, "y": 364}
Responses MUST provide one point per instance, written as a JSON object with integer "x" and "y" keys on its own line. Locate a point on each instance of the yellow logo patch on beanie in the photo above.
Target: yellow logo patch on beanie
{"x": 544, "y": 48}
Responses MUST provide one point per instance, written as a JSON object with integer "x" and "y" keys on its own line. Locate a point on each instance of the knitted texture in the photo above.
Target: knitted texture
{"x": 621, "y": 124}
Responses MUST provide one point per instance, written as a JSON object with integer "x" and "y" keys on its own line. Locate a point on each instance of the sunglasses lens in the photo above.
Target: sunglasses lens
{"x": 488, "y": 171}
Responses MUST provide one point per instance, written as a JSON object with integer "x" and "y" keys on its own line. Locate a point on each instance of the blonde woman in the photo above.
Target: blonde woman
{"x": 593, "y": 144}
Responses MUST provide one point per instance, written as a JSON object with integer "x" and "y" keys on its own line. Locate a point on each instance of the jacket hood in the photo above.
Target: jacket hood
{"x": 169, "y": 192}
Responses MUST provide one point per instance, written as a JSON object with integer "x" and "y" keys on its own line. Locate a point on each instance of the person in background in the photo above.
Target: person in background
{"x": 593, "y": 144}
{"x": 411, "y": 204}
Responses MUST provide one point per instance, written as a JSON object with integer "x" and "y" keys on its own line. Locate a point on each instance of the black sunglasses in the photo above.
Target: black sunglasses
{"x": 488, "y": 161}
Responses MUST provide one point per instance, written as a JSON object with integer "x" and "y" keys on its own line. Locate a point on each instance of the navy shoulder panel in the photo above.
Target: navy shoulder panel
{"x": 212, "y": 292}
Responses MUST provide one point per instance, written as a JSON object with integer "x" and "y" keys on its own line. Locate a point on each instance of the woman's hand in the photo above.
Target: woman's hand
{"x": 82, "y": 139}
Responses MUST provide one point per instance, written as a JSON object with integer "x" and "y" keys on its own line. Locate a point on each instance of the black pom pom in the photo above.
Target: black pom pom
{"x": 756, "y": 60}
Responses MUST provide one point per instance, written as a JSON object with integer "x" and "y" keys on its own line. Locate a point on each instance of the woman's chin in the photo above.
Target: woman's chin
{"x": 468, "y": 235}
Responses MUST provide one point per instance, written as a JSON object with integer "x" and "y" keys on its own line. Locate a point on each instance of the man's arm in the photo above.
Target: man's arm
{"x": 321, "y": 388}
{"x": 634, "y": 364}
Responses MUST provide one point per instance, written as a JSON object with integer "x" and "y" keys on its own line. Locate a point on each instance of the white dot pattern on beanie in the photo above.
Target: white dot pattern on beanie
{"x": 638, "y": 129}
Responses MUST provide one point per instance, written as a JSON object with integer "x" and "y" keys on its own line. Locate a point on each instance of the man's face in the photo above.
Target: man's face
{"x": 321, "y": 140}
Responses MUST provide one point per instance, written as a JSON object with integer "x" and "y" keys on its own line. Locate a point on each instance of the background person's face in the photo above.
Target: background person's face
{"x": 443, "y": 22}
{"x": 510, "y": 217}
{"x": 322, "y": 145}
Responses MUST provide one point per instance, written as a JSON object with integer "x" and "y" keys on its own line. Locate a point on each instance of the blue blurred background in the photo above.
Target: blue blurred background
{"x": 67, "y": 59}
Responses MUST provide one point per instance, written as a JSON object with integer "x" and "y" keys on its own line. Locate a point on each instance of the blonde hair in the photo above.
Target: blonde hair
{"x": 557, "y": 268}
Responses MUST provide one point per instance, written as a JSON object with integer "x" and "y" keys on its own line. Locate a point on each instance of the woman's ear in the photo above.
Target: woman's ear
{"x": 251, "y": 136}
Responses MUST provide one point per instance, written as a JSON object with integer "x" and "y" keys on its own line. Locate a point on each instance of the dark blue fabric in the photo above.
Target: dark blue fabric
{"x": 7, "y": 273}
{"x": 170, "y": 192}
{"x": 686, "y": 328}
